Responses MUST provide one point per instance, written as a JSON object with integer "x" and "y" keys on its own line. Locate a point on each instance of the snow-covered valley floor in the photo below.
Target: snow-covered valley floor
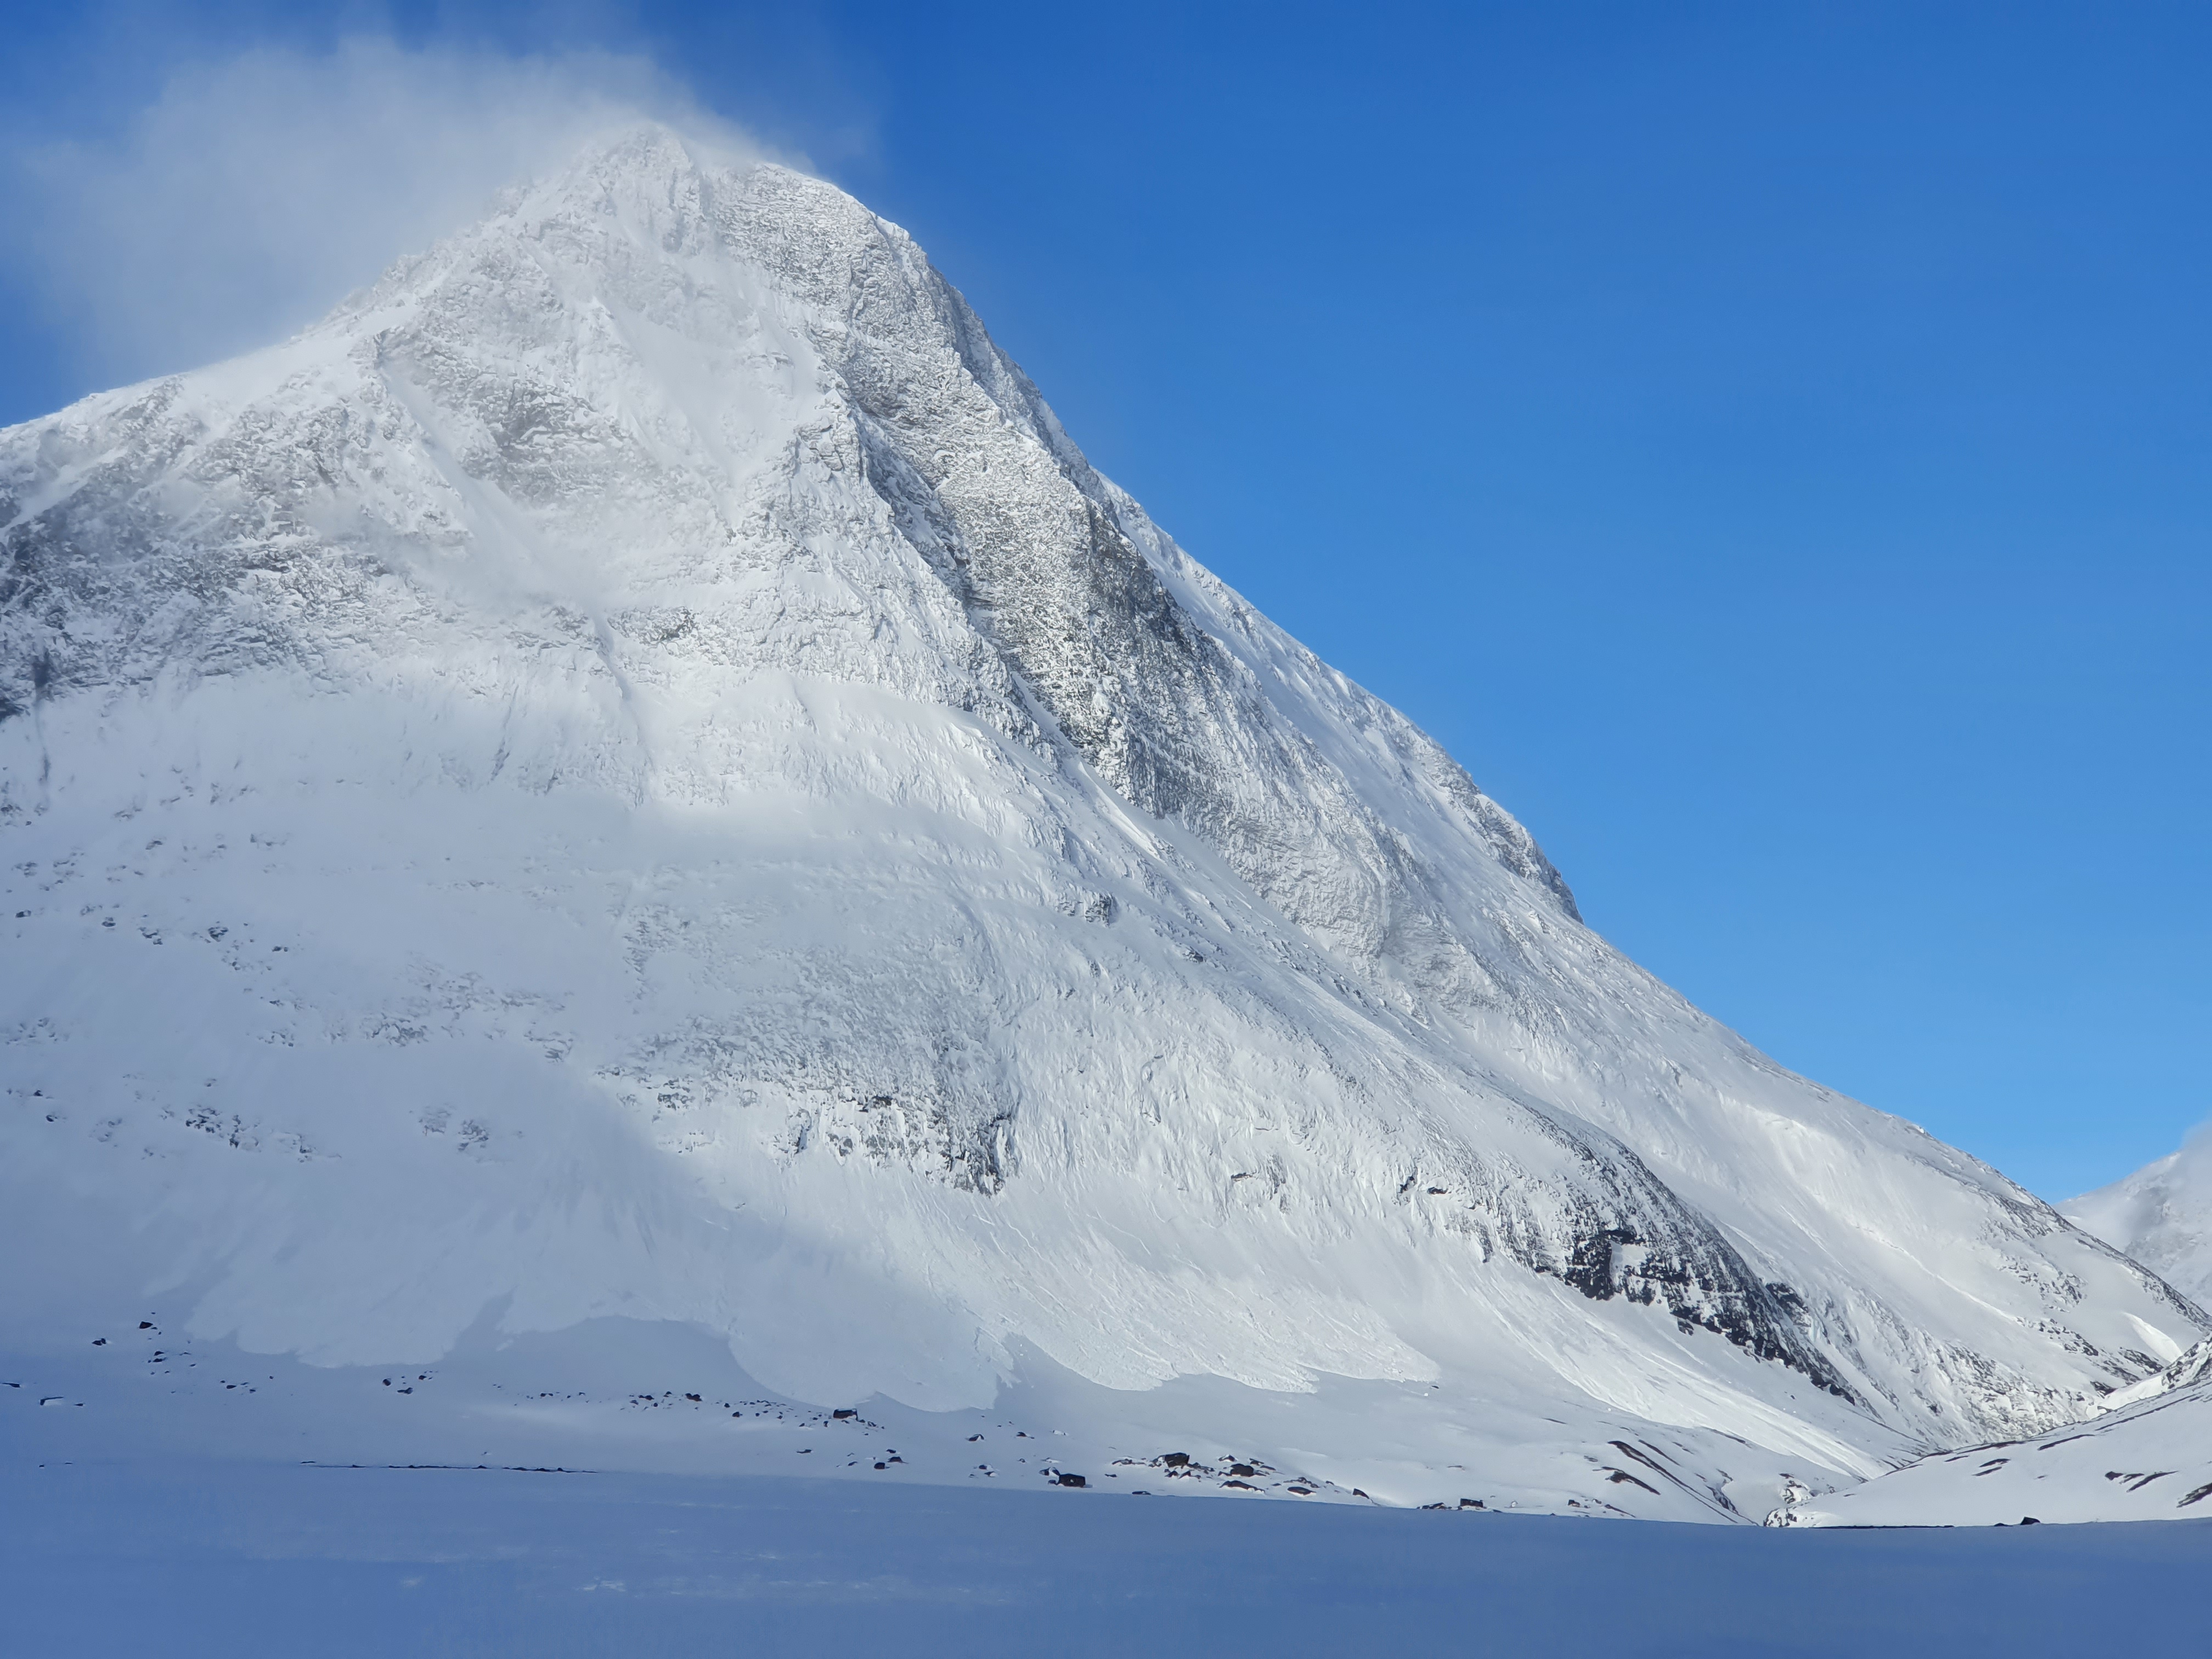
{"x": 187, "y": 1498}
{"x": 188, "y": 1557}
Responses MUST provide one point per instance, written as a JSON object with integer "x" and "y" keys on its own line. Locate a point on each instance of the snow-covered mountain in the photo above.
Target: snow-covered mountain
{"x": 634, "y": 773}
{"x": 2161, "y": 1215}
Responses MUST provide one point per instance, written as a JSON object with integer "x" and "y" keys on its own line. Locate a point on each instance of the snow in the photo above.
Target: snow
{"x": 2147, "y": 1457}
{"x": 236, "y": 1557}
{"x": 2161, "y": 1215}
{"x": 632, "y": 787}
{"x": 611, "y": 1393}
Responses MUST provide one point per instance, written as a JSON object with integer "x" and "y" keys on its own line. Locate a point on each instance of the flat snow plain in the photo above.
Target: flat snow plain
{"x": 185, "y": 1557}
{"x": 195, "y": 1499}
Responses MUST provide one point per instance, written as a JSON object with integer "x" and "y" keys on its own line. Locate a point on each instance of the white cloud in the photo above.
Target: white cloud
{"x": 249, "y": 197}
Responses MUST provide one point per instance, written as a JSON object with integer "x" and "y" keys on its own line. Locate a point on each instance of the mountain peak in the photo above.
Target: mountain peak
{"x": 640, "y": 771}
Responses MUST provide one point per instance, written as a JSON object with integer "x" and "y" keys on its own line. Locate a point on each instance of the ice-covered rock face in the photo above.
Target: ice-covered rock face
{"x": 636, "y": 768}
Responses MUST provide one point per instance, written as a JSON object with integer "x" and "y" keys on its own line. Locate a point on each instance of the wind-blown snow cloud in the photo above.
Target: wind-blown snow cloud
{"x": 247, "y": 198}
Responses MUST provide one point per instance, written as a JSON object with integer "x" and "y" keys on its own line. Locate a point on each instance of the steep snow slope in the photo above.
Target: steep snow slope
{"x": 636, "y": 770}
{"x": 2161, "y": 1215}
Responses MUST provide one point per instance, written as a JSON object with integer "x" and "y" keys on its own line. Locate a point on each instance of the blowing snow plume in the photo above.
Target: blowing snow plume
{"x": 634, "y": 778}
{"x": 252, "y": 194}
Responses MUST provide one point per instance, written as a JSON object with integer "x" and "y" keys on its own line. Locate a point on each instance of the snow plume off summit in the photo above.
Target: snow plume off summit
{"x": 634, "y": 774}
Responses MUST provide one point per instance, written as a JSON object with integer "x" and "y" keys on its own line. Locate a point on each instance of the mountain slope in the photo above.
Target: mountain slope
{"x": 2148, "y": 1457}
{"x": 634, "y": 770}
{"x": 2161, "y": 1215}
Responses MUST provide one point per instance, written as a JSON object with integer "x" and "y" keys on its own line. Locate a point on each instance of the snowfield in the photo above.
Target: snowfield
{"x": 632, "y": 781}
{"x": 234, "y": 1557}
{"x": 2147, "y": 1457}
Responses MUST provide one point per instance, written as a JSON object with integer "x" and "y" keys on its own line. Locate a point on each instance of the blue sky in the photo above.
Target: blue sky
{"x": 1771, "y": 445}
